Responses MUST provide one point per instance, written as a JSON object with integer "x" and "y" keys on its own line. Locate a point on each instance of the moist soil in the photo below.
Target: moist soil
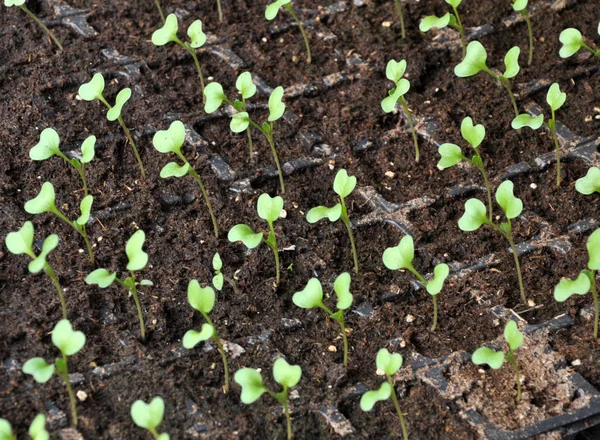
{"x": 38, "y": 89}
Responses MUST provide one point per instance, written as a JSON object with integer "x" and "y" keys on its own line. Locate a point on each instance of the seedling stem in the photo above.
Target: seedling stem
{"x": 62, "y": 370}
{"x": 130, "y": 285}
{"x": 160, "y": 11}
{"x": 592, "y": 276}
{"x": 288, "y": 6}
{"x": 268, "y": 134}
{"x": 412, "y": 127}
{"x": 461, "y": 30}
{"x": 401, "y": 15}
{"x": 196, "y": 176}
{"x": 80, "y": 230}
{"x": 506, "y": 83}
{"x": 271, "y": 241}
{"x": 397, "y": 406}
{"x": 512, "y": 360}
{"x": 220, "y": 10}
{"x": 42, "y": 25}
{"x": 509, "y": 238}
{"x": 346, "y": 221}
{"x": 552, "y": 127}
{"x": 50, "y": 272}
{"x": 530, "y": 32}
{"x": 282, "y": 397}
{"x": 192, "y": 52}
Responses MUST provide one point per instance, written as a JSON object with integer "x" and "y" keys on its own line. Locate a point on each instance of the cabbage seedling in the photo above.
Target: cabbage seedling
{"x": 387, "y": 365}
{"x": 171, "y": 141}
{"x": 219, "y": 276}
{"x": 343, "y": 185}
{"x": 475, "y": 61}
{"x": 149, "y": 416}
{"x": 93, "y": 90}
{"x": 37, "y": 429}
{"x": 21, "y": 242}
{"x": 475, "y": 216}
{"x": 572, "y": 41}
{"x": 253, "y": 387}
{"x": 586, "y": 280}
{"x": 448, "y": 19}
{"x": 590, "y": 183}
{"x": 394, "y": 72}
{"x": 312, "y": 297}
{"x": 137, "y": 261}
{"x": 203, "y": 300}
{"x": 21, "y": 4}
{"x": 402, "y": 256}
{"x": 269, "y": 208}
{"x": 520, "y": 6}
{"x": 273, "y": 9}
{"x": 45, "y": 202}
{"x": 495, "y": 359}
{"x": 69, "y": 342}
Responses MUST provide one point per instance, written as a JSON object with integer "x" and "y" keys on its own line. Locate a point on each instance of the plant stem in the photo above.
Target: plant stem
{"x": 552, "y": 126}
{"x": 84, "y": 180}
{"x": 160, "y": 11}
{"x": 250, "y": 144}
{"x": 594, "y": 52}
{"x": 288, "y": 419}
{"x": 192, "y": 52}
{"x": 220, "y": 10}
{"x": 276, "y": 158}
{"x": 50, "y": 272}
{"x": 412, "y": 127}
{"x": 215, "y": 337}
{"x": 154, "y": 433}
{"x": 195, "y": 175}
{"x": 135, "y": 149}
{"x": 272, "y": 243}
{"x": 288, "y": 6}
{"x": 65, "y": 377}
{"x": 512, "y": 359}
{"x": 138, "y": 306}
{"x": 596, "y": 306}
{"x": 397, "y": 406}
{"x": 506, "y": 83}
{"x": 345, "y": 338}
{"x": 461, "y": 30}
{"x": 81, "y": 231}
{"x": 401, "y": 15}
{"x": 530, "y": 32}
{"x": 42, "y": 25}
{"x": 346, "y": 222}
{"x": 486, "y": 181}
{"x": 517, "y": 265}
{"x": 435, "y": 313}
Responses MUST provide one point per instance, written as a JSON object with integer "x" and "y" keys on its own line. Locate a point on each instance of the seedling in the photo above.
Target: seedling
{"x": 21, "y": 4}
{"x": 253, "y": 387}
{"x": 495, "y": 359}
{"x": 45, "y": 202}
{"x": 203, "y": 300}
{"x": 219, "y": 276}
{"x": 37, "y": 429}
{"x": 343, "y": 185}
{"x": 475, "y": 61}
{"x": 572, "y": 41}
{"x": 171, "y": 141}
{"x": 272, "y": 11}
{"x": 590, "y": 183}
{"x": 555, "y": 99}
{"x": 21, "y": 242}
{"x": 269, "y": 208}
{"x": 401, "y": 15}
{"x": 394, "y": 72}
{"x": 586, "y": 280}
{"x": 149, "y": 416}
{"x": 93, "y": 90}
{"x": 448, "y": 19}
{"x": 49, "y": 145}
{"x": 137, "y": 261}
{"x": 520, "y": 6}
{"x": 402, "y": 256}
{"x": 475, "y": 216}
{"x": 387, "y": 365}
{"x": 312, "y": 297}
{"x": 160, "y": 11}
{"x": 69, "y": 342}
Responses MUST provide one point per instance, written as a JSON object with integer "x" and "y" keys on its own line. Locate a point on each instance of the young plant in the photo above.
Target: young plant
{"x": 475, "y": 216}
{"x": 219, "y": 276}
{"x": 590, "y": 183}
{"x": 149, "y": 416}
{"x": 171, "y": 141}
{"x": 402, "y": 256}
{"x": 394, "y": 72}
{"x": 137, "y": 261}
{"x": 21, "y": 4}
{"x": 312, "y": 297}
{"x": 93, "y": 90}
{"x": 555, "y": 99}
{"x": 203, "y": 300}
{"x": 343, "y": 185}
{"x": 37, "y": 429}
{"x": 160, "y": 11}
{"x": 572, "y": 41}
{"x": 269, "y": 208}
{"x": 21, "y": 242}
{"x": 253, "y": 387}
{"x": 401, "y": 15}
{"x": 272, "y": 11}
{"x": 475, "y": 61}
{"x": 69, "y": 342}
{"x": 387, "y": 365}
{"x": 448, "y": 19}
{"x": 520, "y": 6}
{"x": 495, "y": 359}
{"x": 586, "y": 280}
{"x": 45, "y": 202}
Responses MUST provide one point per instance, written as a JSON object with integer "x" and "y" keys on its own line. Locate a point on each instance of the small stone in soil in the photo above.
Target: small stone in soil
{"x": 288, "y": 325}
{"x": 364, "y": 310}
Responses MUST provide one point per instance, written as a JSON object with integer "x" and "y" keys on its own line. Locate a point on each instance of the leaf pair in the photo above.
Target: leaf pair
{"x": 168, "y": 33}
{"x": 149, "y": 415}
{"x": 555, "y": 99}
{"x": 476, "y": 58}
{"x": 394, "y": 72}
{"x": 269, "y": 209}
{"x": 201, "y": 299}
{"x": 572, "y": 41}
{"x": 495, "y": 359}
{"x": 93, "y": 90}
{"x": 590, "y": 183}
{"x": 343, "y": 185}
{"x": 45, "y": 201}
{"x": 252, "y": 384}
{"x": 21, "y": 242}
{"x": 37, "y": 429}
{"x": 387, "y": 364}
{"x": 451, "y": 153}
{"x": 476, "y": 214}
{"x": 273, "y": 9}
{"x": 49, "y": 144}
{"x": 312, "y": 295}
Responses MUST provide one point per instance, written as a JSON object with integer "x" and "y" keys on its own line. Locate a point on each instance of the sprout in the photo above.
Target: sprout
{"x": 520, "y": 6}
{"x": 402, "y": 256}
{"x": 495, "y": 359}
{"x": 21, "y": 4}
{"x": 269, "y": 209}
{"x": 448, "y": 19}
{"x": 219, "y": 276}
{"x": 312, "y": 297}
{"x": 37, "y": 429}
{"x": 137, "y": 261}
{"x": 394, "y": 72}
{"x": 149, "y": 416}
{"x": 343, "y": 185}
{"x": 401, "y": 15}
{"x": 93, "y": 90}
{"x": 203, "y": 300}
{"x": 387, "y": 365}
{"x": 253, "y": 387}
{"x": 271, "y": 12}
{"x": 171, "y": 141}
{"x": 572, "y": 41}
{"x": 590, "y": 183}
{"x": 69, "y": 342}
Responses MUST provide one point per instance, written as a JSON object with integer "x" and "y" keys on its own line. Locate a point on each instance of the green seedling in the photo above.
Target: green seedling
{"x": 475, "y": 216}
{"x": 402, "y": 256}
{"x": 572, "y": 41}
{"x": 343, "y": 185}
{"x": 520, "y": 6}
{"x": 21, "y": 4}
{"x": 586, "y": 280}
{"x": 475, "y": 61}
{"x": 69, "y": 342}
{"x": 45, "y": 202}
{"x": 273, "y": 9}
{"x": 171, "y": 141}
{"x": 495, "y": 359}
{"x": 269, "y": 209}
{"x": 37, "y": 429}
{"x": 137, "y": 261}
{"x": 253, "y": 387}
{"x": 160, "y": 10}
{"x": 312, "y": 297}
{"x": 203, "y": 300}
{"x": 401, "y": 16}
{"x": 448, "y": 19}
{"x": 387, "y": 365}
{"x": 555, "y": 99}
{"x": 21, "y": 242}
{"x": 219, "y": 276}
{"x": 149, "y": 416}
{"x": 93, "y": 90}
{"x": 394, "y": 72}
{"x": 590, "y": 183}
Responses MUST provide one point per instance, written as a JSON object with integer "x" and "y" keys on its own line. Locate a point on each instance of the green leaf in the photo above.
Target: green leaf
{"x": 217, "y": 263}
{"x": 519, "y": 5}
{"x": 311, "y": 296}
{"x": 214, "y": 96}
{"x": 341, "y": 286}
{"x": 170, "y": 140}
{"x": 201, "y": 298}
{"x": 590, "y": 183}
{"x": 273, "y": 8}
{"x": 164, "y": 436}
{"x": 511, "y": 61}
{"x": 167, "y": 33}
{"x": 246, "y": 235}
{"x": 148, "y": 416}
{"x": 526, "y": 120}
{"x": 197, "y": 36}
{"x": 102, "y": 277}
{"x": 512, "y": 335}
{"x": 217, "y": 281}
{"x": 395, "y": 69}
{"x": 37, "y": 429}
{"x": 192, "y": 337}
{"x": 572, "y": 41}
{"x": 440, "y": 273}
{"x": 370, "y": 398}
{"x": 593, "y": 248}
{"x": 269, "y": 207}
{"x": 43, "y": 202}
{"x": 389, "y": 103}
{"x": 5, "y": 428}
{"x": 252, "y": 384}
{"x": 39, "y": 369}
{"x": 67, "y": 340}
{"x": 343, "y": 185}
{"x": 473, "y": 134}
{"x": 88, "y": 149}
{"x": 484, "y": 355}
{"x": 239, "y": 122}
{"x": 451, "y": 155}
{"x": 21, "y": 241}
{"x": 320, "y": 212}
{"x": 276, "y": 105}
{"x": 285, "y": 374}
{"x": 400, "y": 256}
{"x": 92, "y": 90}
{"x": 47, "y": 147}
{"x": 454, "y": 3}
{"x": 137, "y": 257}
{"x": 122, "y": 97}
{"x": 173, "y": 169}
{"x": 475, "y": 215}
{"x": 511, "y": 205}
{"x": 566, "y": 288}
{"x": 245, "y": 85}
{"x": 85, "y": 207}
{"x": 388, "y": 362}
{"x": 474, "y": 61}
{"x": 555, "y": 98}
{"x": 431, "y": 21}
{"x": 9, "y": 3}
{"x": 39, "y": 262}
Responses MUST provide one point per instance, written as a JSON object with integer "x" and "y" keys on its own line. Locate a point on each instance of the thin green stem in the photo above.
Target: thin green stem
{"x": 552, "y": 126}
{"x": 397, "y": 406}
{"x": 135, "y": 149}
{"x": 486, "y": 181}
{"x": 192, "y": 52}
{"x": 154, "y": 433}
{"x": 83, "y": 179}
{"x": 160, "y": 11}
{"x": 346, "y": 222}
{"x": 80, "y": 230}
{"x": 138, "y": 306}
{"x": 269, "y": 137}
{"x": 530, "y": 32}
{"x": 288, "y": 418}
{"x": 308, "y": 54}
{"x": 273, "y": 246}
{"x": 65, "y": 378}
{"x": 42, "y": 25}
{"x": 461, "y": 30}
{"x": 401, "y": 15}
{"x": 412, "y": 127}
{"x": 197, "y": 178}
{"x": 50, "y": 272}
{"x": 215, "y": 337}
{"x": 87, "y": 243}
{"x": 220, "y": 10}
{"x": 250, "y": 144}
{"x": 596, "y": 306}
{"x": 345, "y": 338}
{"x": 512, "y": 359}
{"x": 435, "y": 313}
{"x": 506, "y": 83}
{"x": 513, "y": 248}
{"x": 594, "y": 52}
